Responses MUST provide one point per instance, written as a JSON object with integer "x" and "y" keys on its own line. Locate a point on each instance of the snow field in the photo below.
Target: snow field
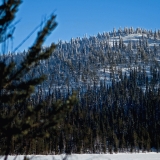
{"x": 119, "y": 156}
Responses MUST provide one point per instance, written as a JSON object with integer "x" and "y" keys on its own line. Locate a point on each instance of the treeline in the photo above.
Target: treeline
{"x": 117, "y": 118}
{"x": 117, "y": 84}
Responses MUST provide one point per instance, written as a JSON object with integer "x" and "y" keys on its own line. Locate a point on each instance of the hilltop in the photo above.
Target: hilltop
{"x": 85, "y": 61}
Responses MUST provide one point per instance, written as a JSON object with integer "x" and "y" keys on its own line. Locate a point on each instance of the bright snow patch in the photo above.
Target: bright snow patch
{"x": 120, "y": 156}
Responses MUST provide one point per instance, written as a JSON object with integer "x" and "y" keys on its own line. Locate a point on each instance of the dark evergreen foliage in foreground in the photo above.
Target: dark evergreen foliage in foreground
{"x": 20, "y": 122}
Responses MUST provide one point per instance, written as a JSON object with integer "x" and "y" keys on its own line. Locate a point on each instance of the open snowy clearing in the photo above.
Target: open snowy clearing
{"x": 120, "y": 156}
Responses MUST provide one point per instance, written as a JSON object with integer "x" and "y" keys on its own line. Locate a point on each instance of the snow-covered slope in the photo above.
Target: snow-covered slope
{"x": 90, "y": 64}
{"x": 91, "y": 60}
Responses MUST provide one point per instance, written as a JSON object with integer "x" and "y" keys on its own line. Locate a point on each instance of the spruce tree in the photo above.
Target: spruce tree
{"x": 18, "y": 118}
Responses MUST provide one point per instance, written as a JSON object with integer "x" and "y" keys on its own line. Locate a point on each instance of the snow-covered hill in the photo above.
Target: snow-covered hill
{"x": 117, "y": 79}
{"x": 91, "y": 60}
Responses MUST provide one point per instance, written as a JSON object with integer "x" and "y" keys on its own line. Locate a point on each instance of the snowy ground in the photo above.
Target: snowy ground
{"x": 120, "y": 156}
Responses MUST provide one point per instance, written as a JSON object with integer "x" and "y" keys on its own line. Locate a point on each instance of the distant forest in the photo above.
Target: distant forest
{"x": 116, "y": 77}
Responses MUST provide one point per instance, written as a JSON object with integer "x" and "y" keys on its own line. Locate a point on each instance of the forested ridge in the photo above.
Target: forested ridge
{"x": 116, "y": 78}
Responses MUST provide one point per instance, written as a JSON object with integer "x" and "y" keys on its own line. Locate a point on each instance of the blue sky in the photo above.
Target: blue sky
{"x": 77, "y": 17}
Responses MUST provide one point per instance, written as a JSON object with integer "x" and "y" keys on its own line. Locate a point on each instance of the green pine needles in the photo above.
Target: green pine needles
{"x": 21, "y": 121}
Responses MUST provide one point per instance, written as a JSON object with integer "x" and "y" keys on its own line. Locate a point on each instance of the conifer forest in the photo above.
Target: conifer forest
{"x": 116, "y": 78}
